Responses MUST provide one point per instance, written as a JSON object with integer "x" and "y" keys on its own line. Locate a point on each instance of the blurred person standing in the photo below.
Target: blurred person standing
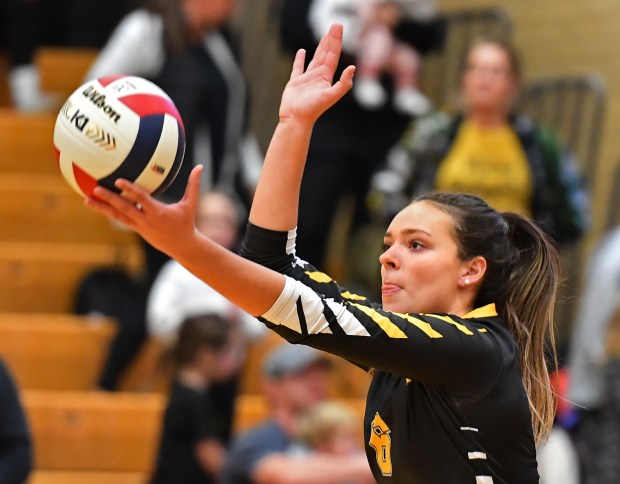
{"x": 192, "y": 446}
{"x": 187, "y": 48}
{"x": 350, "y": 141}
{"x": 295, "y": 381}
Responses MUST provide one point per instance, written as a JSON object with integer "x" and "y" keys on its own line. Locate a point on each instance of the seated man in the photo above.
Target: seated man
{"x": 295, "y": 379}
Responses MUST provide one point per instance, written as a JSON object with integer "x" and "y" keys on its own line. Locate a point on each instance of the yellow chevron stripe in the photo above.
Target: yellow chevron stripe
{"x": 422, "y": 325}
{"x": 353, "y": 297}
{"x": 462, "y": 328}
{"x": 384, "y": 323}
{"x": 319, "y": 276}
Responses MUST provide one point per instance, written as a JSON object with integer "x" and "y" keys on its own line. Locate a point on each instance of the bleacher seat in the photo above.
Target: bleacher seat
{"x": 55, "y": 351}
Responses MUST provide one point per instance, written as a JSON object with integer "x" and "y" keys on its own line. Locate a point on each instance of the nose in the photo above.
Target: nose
{"x": 389, "y": 258}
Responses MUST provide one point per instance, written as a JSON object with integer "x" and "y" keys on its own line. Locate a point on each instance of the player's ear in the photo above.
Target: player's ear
{"x": 473, "y": 271}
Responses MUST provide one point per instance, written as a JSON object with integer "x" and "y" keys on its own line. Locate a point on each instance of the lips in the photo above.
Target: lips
{"x": 388, "y": 288}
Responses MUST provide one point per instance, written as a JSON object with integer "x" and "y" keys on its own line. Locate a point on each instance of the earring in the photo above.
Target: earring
{"x": 467, "y": 281}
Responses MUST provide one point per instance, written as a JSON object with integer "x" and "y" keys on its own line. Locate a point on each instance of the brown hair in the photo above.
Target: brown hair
{"x": 208, "y": 330}
{"x": 521, "y": 279}
{"x": 514, "y": 58}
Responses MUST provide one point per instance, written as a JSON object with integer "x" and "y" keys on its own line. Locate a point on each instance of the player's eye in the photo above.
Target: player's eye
{"x": 416, "y": 245}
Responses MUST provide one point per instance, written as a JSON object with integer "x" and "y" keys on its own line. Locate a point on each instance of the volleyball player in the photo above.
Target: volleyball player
{"x": 460, "y": 389}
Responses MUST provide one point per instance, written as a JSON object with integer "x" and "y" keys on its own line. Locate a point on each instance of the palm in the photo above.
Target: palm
{"x": 309, "y": 93}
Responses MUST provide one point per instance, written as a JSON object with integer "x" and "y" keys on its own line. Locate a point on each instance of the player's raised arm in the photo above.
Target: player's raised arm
{"x": 307, "y": 95}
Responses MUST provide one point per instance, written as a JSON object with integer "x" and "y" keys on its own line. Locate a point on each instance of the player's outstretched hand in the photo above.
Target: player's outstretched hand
{"x": 310, "y": 92}
{"x": 165, "y": 226}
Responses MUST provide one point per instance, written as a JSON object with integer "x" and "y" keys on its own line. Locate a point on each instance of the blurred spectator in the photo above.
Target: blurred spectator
{"x": 331, "y": 428}
{"x": 177, "y": 294}
{"x": 349, "y": 141}
{"x": 16, "y": 453}
{"x": 186, "y": 48}
{"x": 369, "y": 29}
{"x": 295, "y": 380}
{"x": 489, "y": 150}
{"x": 598, "y": 305}
{"x": 594, "y": 370}
{"x": 23, "y": 31}
{"x": 192, "y": 446}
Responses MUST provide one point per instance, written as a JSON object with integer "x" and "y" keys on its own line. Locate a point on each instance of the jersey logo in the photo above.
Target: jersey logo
{"x": 381, "y": 441}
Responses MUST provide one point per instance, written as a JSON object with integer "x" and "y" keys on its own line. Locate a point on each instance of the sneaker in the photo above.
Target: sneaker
{"x": 411, "y": 101}
{"x": 369, "y": 93}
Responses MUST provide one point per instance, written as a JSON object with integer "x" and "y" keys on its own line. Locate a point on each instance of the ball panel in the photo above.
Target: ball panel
{"x": 176, "y": 165}
{"x": 84, "y": 181}
{"x": 147, "y": 139}
{"x": 146, "y": 105}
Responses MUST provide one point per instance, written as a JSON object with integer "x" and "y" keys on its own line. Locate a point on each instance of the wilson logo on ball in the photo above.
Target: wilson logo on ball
{"x": 119, "y": 127}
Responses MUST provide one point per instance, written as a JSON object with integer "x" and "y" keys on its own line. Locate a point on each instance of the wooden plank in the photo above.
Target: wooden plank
{"x": 62, "y": 69}
{"x": 26, "y": 142}
{"x": 43, "y": 277}
{"x": 55, "y": 351}
{"x": 78, "y": 477}
{"x": 94, "y": 431}
{"x": 39, "y": 207}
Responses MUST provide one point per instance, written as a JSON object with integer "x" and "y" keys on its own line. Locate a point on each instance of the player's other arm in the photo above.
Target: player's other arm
{"x": 312, "y": 469}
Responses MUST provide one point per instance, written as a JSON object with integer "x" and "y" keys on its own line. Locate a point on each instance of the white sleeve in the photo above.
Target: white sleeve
{"x": 164, "y": 309}
{"x": 134, "y": 48}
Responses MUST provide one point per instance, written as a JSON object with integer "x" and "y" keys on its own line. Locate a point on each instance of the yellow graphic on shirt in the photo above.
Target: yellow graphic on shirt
{"x": 381, "y": 441}
{"x": 490, "y": 163}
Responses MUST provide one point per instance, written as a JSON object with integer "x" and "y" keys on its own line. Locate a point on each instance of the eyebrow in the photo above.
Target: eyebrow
{"x": 409, "y": 232}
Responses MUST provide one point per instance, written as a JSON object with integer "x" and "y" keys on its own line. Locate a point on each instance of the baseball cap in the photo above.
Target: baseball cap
{"x": 288, "y": 359}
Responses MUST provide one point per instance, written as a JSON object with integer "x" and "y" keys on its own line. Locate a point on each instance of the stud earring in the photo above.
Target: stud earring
{"x": 467, "y": 281}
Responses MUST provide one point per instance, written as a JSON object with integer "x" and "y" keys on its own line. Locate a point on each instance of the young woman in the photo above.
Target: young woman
{"x": 488, "y": 149}
{"x": 460, "y": 390}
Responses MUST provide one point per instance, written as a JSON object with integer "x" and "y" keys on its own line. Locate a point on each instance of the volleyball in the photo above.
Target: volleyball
{"x": 119, "y": 127}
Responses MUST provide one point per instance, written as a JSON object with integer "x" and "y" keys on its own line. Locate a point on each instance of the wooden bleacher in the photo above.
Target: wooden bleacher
{"x": 27, "y": 144}
{"x": 40, "y": 207}
{"x": 43, "y": 277}
{"x": 55, "y": 351}
{"x": 63, "y": 68}
{"x": 94, "y": 431}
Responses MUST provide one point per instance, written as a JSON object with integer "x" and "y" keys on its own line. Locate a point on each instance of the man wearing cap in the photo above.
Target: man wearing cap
{"x": 295, "y": 379}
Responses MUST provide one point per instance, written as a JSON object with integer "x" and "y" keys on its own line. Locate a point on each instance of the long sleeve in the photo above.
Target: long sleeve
{"x": 16, "y": 459}
{"x": 134, "y": 48}
{"x": 461, "y": 355}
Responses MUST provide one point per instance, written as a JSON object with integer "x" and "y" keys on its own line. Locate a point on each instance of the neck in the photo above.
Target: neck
{"x": 286, "y": 419}
{"x": 487, "y": 119}
{"x": 192, "y": 379}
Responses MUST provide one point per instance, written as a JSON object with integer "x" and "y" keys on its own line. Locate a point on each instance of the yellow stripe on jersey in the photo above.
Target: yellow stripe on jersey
{"x": 487, "y": 311}
{"x": 319, "y": 276}
{"x": 384, "y": 323}
{"x": 422, "y": 325}
{"x": 462, "y": 328}
{"x": 352, "y": 297}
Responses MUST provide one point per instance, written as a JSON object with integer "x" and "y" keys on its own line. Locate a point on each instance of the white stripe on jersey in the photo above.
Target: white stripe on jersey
{"x": 284, "y": 311}
{"x": 476, "y": 455}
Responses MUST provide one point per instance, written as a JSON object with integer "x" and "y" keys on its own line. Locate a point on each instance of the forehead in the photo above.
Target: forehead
{"x": 422, "y": 216}
{"x": 488, "y": 53}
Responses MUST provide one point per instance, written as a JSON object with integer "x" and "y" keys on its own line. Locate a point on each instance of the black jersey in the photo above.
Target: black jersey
{"x": 446, "y": 404}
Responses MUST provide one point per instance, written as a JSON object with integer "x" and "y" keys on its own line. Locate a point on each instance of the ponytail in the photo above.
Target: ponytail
{"x": 528, "y": 312}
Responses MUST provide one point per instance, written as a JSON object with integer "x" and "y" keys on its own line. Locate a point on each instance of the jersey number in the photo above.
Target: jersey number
{"x": 381, "y": 441}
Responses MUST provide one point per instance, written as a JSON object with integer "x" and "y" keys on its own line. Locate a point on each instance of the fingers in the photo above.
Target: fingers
{"x": 298, "y": 63}
{"x": 106, "y": 202}
{"x": 135, "y": 194}
{"x": 329, "y": 48}
{"x": 192, "y": 191}
{"x": 343, "y": 85}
